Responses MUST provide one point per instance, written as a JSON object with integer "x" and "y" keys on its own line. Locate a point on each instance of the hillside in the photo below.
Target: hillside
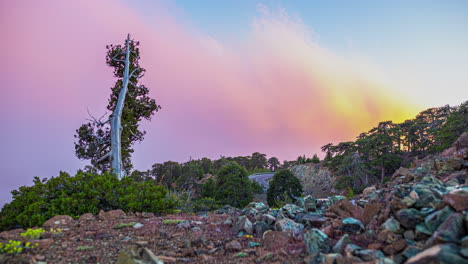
{"x": 420, "y": 216}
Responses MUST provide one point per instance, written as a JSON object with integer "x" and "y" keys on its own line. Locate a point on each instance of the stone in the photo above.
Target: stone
{"x": 387, "y": 236}
{"x": 351, "y": 225}
{"x": 316, "y": 241}
{"x": 42, "y": 243}
{"x": 260, "y": 206}
{"x": 438, "y": 254}
{"x": 395, "y": 247}
{"x": 369, "y": 254}
{"x": 287, "y": 225}
{"x": 344, "y": 209}
{"x": 409, "y": 234}
{"x": 249, "y": 212}
{"x": 314, "y": 220}
{"x": 243, "y": 224}
{"x": 464, "y": 247}
{"x": 457, "y": 199}
{"x": 410, "y": 251}
{"x": 409, "y": 218}
{"x": 392, "y": 225}
{"x": 111, "y": 215}
{"x": 290, "y": 210}
{"x": 370, "y": 211}
{"x": 436, "y": 218}
{"x": 234, "y": 245}
{"x": 369, "y": 190}
{"x": 137, "y": 255}
{"x": 86, "y": 218}
{"x": 275, "y": 239}
{"x": 59, "y": 221}
{"x": 269, "y": 219}
{"x": 261, "y": 227}
{"x": 138, "y": 225}
{"x": 450, "y": 230}
{"x": 341, "y": 244}
{"x": 351, "y": 249}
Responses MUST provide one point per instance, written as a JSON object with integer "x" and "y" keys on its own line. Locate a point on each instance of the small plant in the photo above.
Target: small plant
{"x": 57, "y": 231}
{"x": 15, "y": 247}
{"x": 122, "y": 225}
{"x": 240, "y": 255}
{"x": 33, "y": 233}
{"x": 84, "y": 248}
{"x": 172, "y": 222}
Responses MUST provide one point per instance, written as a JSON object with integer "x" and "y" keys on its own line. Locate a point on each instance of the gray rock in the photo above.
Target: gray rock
{"x": 313, "y": 220}
{"x": 243, "y": 224}
{"x": 369, "y": 254}
{"x": 440, "y": 254}
{"x": 137, "y": 255}
{"x": 316, "y": 241}
{"x": 261, "y": 227}
{"x": 269, "y": 219}
{"x": 450, "y": 230}
{"x": 287, "y": 225}
{"x": 290, "y": 210}
{"x": 464, "y": 247}
{"x": 352, "y": 225}
{"x": 409, "y": 218}
{"x": 433, "y": 220}
{"x": 392, "y": 225}
{"x": 341, "y": 244}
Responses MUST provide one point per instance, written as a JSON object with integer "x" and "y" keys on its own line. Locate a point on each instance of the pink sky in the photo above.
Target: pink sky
{"x": 275, "y": 90}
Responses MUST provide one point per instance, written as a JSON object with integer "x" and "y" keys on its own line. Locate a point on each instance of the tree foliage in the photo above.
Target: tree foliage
{"x": 93, "y": 138}
{"x": 284, "y": 185}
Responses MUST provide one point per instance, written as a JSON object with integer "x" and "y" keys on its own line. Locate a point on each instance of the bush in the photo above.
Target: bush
{"x": 284, "y": 186}
{"x": 205, "y": 205}
{"x": 84, "y": 193}
{"x": 233, "y": 186}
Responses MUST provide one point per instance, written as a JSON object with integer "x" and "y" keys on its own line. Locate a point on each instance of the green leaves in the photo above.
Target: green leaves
{"x": 283, "y": 186}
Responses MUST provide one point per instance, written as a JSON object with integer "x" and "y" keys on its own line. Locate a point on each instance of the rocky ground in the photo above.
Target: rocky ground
{"x": 420, "y": 216}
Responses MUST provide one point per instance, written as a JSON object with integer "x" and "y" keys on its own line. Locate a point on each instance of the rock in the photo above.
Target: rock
{"x": 352, "y": 225}
{"x": 287, "y": 225}
{"x": 392, "y": 225}
{"x": 369, "y": 254}
{"x": 464, "y": 247}
{"x": 314, "y": 220}
{"x": 457, "y": 199}
{"x": 425, "y": 196}
{"x": 111, "y": 215}
{"x": 42, "y": 243}
{"x": 351, "y": 249}
{"x": 137, "y": 255}
{"x": 434, "y": 219}
{"x": 234, "y": 245}
{"x": 257, "y": 206}
{"x": 137, "y": 225}
{"x": 86, "y": 218}
{"x": 316, "y": 241}
{"x": 409, "y": 234}
{"x": 243, "y": 224}
{"x": 387, "y": 236}
{"x": 261, "y": 227}
{"x": 395, "y": 247}
{"x": 341, "y": 244}
{"x": 344, "y": 208}
{"x": 409, "y": 218}
{"x": 59, "y": 221}
{"x": 290, "y": 210}
{"x": 450, "y": 230}
{"x": 249, "y": 212}
{"x": 269, "y": 219}
{"x": 369, "y": 190}
{"x": 370, "y": 212}
{"x": 410, "y": 251}
{"x": 275, "y": 239}
{"x": 438, "y": 254}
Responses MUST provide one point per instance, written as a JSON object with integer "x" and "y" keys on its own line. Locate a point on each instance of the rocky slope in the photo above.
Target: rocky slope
{"x": 317, "y": 181}
{"x": 420, "y": 216}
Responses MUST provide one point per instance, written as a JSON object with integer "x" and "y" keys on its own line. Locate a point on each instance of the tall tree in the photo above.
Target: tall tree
{"x": 108, "y": 143}
{"x": 273, "y": 163}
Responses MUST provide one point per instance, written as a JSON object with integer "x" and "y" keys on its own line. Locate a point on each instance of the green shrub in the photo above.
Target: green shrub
{"x": 84, "y": 193}
{"x": 33, "y": 233}
{"x": 233, "y": 186}
{"x": 205, "y": 205}
{"x": 283, "y": 187}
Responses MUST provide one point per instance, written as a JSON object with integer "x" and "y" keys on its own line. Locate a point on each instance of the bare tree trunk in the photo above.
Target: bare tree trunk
{"x": 116, "y": 122}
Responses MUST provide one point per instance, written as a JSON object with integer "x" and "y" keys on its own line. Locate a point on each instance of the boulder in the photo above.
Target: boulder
{"x": 316, "y": 241}
{"x": 438, "y": 254}
{"x": 352, "y": 225}
{"x": 233, "y": 245}
{"x": 275, "y": 239}
{"x": 59, "y": 221}
{"x": 392, "y": 225}
{"x": 137, "y": 255}
{"x": 409, "y": 218}
{"x": 287, "y": 225}
{"x": 341, "y": 244}
{"x": 290, "y": 210}
{"x": 457, "y": 199}
{"x": 261, "y": 227}
{"x": 436, "y": 218}
{"x": 314, "y": 220}
{"x": 371, "y": 211}
{"x": 395, "y": 247}
{"x": 464, "y": 247}
{"x": 111, "y": 215}
{"x": 369, "y": 190}
{"x": 450, "y": 230}
{"x": 243, "y": 224}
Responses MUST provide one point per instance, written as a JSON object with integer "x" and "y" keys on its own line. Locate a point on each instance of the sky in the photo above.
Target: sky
{"x": 232, "y": 77}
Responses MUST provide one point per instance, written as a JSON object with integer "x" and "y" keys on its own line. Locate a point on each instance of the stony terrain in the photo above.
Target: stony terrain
{"x": 317, "y": 180}
{"x": 420, "y": 216}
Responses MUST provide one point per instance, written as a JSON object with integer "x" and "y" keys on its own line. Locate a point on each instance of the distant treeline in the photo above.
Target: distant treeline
{"x": 376, "y": 154}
